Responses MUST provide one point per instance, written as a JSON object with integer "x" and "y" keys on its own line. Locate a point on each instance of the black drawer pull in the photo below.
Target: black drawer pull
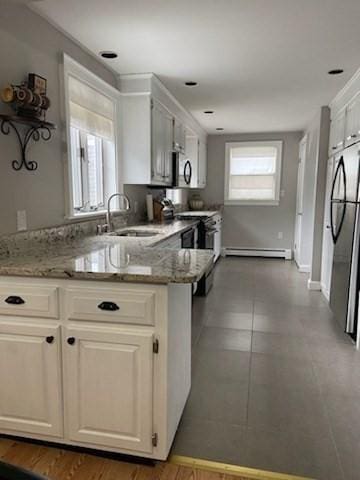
{"x": 109, "y": 306}
{"x": 71, "y": 340}
{"x": 14, "y": 300}
{"x": 50, "y": 339}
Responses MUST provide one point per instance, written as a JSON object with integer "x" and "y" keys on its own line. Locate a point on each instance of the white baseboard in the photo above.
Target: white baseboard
{"x": 314, "y": 285}
{"x": 325, "y": 292}
{"x": 259, "y": 252}
{"x": 304, "y": 268}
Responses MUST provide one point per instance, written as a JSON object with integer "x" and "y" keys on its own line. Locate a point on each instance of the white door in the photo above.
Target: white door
{"x": 30, "y": 378}
{"x": 328, "y": 245}
{"x": 109, "y": 386}
{"x": 299, "y": 200}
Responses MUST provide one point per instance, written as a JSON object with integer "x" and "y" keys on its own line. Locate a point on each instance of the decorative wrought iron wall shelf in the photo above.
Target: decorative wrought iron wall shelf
{"x": 34, "y": 130}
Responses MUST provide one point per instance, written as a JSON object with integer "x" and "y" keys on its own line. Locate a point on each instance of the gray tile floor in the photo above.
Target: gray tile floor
{"x": 276, "y": 383}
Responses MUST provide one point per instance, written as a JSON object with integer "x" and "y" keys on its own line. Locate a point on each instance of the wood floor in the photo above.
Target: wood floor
{"x": 57, "y": 464}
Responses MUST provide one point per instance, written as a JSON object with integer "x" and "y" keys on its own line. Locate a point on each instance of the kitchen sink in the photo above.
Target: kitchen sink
{"x": 135, "y": 233}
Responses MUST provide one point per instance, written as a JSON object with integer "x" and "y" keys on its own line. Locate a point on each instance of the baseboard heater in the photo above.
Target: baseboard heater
{"x": 258, "y": 252}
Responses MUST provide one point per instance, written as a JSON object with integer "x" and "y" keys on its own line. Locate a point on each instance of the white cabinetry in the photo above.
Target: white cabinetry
{"x": 195, "y": 152}
{"x": 117, "y": 353}
{"x": 202, "y": 169}
{"x": 179, "y": 136}
{"x": 30, "y": 377}
{"x": 337, "y": 132}
{"x": 109, "y": 386}
{"x": 352, "y": 131}
{"x": 147, "y": 131}
{"x": 161, "y": 144}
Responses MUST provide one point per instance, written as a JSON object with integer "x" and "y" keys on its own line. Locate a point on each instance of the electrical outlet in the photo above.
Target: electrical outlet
{"x": 21, "y": 221}
{"x": 280, "y": 235}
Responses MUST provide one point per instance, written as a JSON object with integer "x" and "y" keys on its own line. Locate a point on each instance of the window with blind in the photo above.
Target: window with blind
{"x": 91, "y": 107}
{"x": 252, "y": 173}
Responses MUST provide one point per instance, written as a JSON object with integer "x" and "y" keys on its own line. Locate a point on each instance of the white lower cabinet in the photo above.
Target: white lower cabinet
{"x": 109, "y": 370}
{"x": 30, "y": 377}
{"x": 109, "y": 386}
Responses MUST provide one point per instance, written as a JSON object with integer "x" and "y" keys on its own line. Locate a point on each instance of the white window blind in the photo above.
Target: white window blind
{"x": 90, "y": 110}
{"x": 253, "y": 172}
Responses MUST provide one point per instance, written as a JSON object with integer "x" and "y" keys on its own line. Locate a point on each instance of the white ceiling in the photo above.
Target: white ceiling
{"x": 261, "y": 64}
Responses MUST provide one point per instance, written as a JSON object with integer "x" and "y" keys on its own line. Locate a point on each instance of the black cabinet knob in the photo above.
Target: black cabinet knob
{"x": 14, "y": 300}
{"x": 71, "y": 340}
{"x": 50, "y": 339}
{"x": 108, "y": 306}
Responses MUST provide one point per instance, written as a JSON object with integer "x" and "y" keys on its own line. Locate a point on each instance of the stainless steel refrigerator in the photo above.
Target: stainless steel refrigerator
{"x": 345, "y": 230}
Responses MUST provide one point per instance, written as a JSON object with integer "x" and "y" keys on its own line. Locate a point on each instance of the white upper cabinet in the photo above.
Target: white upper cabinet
{"x": 153, "y": 126}
{"x": 147, "y": 142}
{"x": 352, "y": 130}
{"x": 161, "y": 144}
{"x": 337, "y": 132}
{"x": 179, "y": 136}
{"x": 195, "y": 152}
{"x": 202, "y": 164}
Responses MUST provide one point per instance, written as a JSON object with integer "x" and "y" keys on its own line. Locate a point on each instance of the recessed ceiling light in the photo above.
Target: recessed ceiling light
{"x": 219, "y": 128}
{"x": 209, "y": 112}
{"x": 108, "y": 55}
{"x": 336, "y": 71}
{"x": 191, "y": 84}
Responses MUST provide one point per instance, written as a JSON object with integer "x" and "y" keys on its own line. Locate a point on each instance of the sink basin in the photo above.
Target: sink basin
{"x": 135, "y": 233}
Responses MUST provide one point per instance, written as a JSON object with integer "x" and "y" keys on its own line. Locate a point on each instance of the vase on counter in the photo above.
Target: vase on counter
{"x": 196, "y": 202}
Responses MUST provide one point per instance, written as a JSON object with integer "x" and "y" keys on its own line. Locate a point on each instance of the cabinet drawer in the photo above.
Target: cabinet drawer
{"x": 110, "y": 305}
{"x": 29, "y": 301}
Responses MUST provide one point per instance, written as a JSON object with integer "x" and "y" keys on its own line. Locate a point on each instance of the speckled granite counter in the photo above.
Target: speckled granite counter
{"x": 105, "y": 257}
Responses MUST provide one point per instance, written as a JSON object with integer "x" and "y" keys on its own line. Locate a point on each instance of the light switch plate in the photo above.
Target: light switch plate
{"x": 21, "y": 221}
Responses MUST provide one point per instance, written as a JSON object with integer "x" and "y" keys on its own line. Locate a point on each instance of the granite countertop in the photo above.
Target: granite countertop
{"x": 112, "y": 258}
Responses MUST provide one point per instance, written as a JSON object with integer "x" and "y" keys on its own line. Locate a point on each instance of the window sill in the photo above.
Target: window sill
{"x": 90, "y": 215}
{"x": 240, "y": 203}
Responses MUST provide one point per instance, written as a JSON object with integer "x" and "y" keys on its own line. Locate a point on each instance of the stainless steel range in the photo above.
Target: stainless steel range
{"x": 209, "y": 238}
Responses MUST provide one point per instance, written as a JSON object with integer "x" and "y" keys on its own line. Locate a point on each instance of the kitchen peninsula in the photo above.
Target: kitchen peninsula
{"x": 95, "y": 335}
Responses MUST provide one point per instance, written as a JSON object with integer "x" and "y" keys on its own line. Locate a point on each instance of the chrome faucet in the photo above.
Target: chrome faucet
{"x": 108, "y": 213}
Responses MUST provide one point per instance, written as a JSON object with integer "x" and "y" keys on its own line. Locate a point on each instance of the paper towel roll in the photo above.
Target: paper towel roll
{"x": 150, "y": 207}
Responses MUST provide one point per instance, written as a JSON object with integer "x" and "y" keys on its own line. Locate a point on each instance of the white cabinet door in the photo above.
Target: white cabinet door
{"x": 179, "y": 136}
{"x": 168, "y": 132}
{"x": 192, "y": 155}
{"x": 202, "y": 164}
{"x": 157, "y": 143}
{"x": 109, "y": 386}
{"x": 161, "y": 144}
{"x": 30, "y": 378}
{"x": 328, "y": 246}
{"x": 337, "y": 132}
{"x": 352, "y": 132}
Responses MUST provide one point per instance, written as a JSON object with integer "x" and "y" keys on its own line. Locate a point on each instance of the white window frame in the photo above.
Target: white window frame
{"x": 278, "y": 144}
{"x": 75, "y": 69}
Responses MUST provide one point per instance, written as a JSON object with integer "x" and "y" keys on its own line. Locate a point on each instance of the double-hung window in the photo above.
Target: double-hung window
{"x": 253, "y": 173}
{"x": 92, "y": 112}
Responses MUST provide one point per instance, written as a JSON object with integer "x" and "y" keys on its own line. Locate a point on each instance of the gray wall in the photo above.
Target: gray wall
{"x": 255, "y": 226}
{"x": 30, "y": 44}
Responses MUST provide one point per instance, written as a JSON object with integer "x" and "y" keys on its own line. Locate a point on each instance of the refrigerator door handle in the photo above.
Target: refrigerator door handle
{"x": 339, "y": 169}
